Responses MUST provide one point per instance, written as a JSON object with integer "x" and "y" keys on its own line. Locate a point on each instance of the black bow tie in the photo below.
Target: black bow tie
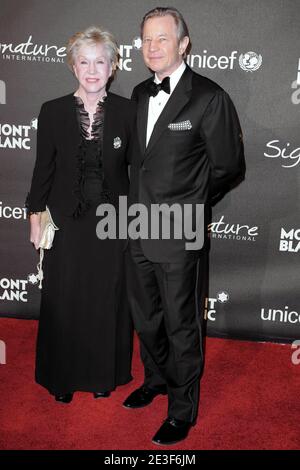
{"x": 154, "y": 88}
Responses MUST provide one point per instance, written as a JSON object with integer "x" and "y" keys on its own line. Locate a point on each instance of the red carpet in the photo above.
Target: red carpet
{"x": 249, "y": 400}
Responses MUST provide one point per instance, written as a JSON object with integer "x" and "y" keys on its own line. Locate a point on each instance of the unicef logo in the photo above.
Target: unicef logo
{"x": 250, "y": 61}
{"x": 137, "y": 43}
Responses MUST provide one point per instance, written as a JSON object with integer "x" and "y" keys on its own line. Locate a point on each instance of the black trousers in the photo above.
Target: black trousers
{"x": 167, "y": 304}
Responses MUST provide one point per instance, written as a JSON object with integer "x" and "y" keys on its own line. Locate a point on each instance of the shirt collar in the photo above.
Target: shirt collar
{"x": 175, "y": 76}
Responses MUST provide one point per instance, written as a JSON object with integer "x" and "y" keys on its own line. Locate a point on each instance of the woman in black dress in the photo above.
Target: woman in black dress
{"x": 85, "y": 333}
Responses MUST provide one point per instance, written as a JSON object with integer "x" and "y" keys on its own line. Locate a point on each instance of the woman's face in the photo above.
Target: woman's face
{"x": 92, "y": 68}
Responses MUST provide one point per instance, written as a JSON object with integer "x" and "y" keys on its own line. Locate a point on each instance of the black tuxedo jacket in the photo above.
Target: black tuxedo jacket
{"x": 195, "y": 152}
{"x": 58, "y": 140}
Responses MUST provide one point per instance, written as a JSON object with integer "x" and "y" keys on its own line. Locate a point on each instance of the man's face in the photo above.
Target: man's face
{"x": 162, "y": 51}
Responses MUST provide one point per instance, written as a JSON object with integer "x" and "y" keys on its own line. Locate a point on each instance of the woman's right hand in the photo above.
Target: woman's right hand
{"x": 35, "y": 229}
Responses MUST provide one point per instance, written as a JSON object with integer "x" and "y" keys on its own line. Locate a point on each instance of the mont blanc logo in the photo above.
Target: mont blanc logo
{"x": 288, "y": 155}
{"x": 222, "y": 297}
{"x": 33, "y": 279}
{"x": 211, "y": 304}
{"x": 2, "y": 92}
{"x": 290, "y": 240}
{"x": 14, "y": 290}
{"x": 33, "y": 52}
{"x": 280, "y": 315}
{"x": 229, "y": 231}
{"x": 16, "y": 136}
{"x": 137, "y": 43}
{"x": 125, "y": 50}
{"x": 250, "y": 61}
{"x": 34, "y": 123}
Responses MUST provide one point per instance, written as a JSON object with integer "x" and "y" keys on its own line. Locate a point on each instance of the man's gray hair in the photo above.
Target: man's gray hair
{"x": 182, "y": 29}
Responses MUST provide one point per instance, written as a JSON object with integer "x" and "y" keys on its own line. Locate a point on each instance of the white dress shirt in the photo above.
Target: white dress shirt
{"x": 158, "y": 102}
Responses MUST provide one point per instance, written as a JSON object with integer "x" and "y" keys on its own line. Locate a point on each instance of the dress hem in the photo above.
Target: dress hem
{"x": 85, "y": 389}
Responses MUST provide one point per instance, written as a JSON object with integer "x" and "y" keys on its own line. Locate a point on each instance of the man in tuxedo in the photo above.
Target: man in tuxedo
{"x": 188, "y": 150}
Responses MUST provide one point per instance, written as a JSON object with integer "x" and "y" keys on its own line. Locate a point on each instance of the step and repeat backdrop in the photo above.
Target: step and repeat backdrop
{"x": 252, "y": 49}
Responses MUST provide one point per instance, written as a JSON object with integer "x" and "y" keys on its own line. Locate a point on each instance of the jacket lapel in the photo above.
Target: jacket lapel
{"x": 108, "y": 127}
{"x": 72, "y": 122}
{"x": 179, "y": 98}
{"x": 142, "y": 118}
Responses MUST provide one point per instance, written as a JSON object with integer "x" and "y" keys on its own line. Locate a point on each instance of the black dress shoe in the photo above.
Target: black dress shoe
{"x": 66, "y": 398}
{"x": 172, "y": 431}
{"x": 101, "y": 395}
{"x": 142, "y": 396}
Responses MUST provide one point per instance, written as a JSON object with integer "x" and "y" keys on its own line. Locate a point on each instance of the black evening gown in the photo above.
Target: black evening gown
{"x": 85, "y": 333}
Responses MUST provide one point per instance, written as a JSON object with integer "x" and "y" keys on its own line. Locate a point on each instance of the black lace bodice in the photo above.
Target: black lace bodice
{"x": 90, "y": 186}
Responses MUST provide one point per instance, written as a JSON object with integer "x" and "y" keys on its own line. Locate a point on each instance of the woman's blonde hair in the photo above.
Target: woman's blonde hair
{"x": 91, "y": 36}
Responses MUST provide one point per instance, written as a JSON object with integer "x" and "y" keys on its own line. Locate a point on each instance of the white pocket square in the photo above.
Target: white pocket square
{"x": 180, "y": 126}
